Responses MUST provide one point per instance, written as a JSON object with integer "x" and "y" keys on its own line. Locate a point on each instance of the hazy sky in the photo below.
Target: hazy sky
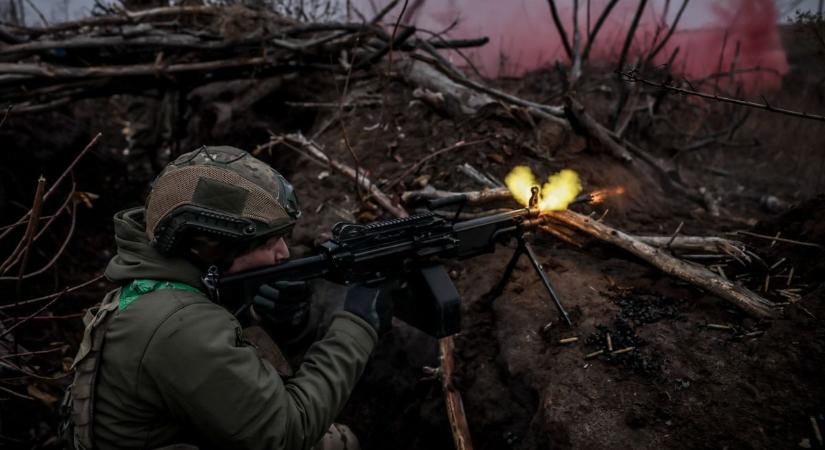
{"x": 696, "y": 14}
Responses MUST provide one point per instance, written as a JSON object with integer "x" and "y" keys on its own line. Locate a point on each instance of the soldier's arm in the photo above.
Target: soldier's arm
{"x": 208, "y": 377}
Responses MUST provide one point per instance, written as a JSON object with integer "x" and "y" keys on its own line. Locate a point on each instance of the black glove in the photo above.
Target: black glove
{"x": 284, "y": 307}
{"x": 373, "y": 304}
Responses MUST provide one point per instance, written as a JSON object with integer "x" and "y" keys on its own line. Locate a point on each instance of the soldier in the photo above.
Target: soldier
{"x": 162, "y": 366}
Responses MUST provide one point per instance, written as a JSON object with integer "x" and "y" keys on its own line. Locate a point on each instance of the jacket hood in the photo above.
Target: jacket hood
{"x": 137, "y": 258}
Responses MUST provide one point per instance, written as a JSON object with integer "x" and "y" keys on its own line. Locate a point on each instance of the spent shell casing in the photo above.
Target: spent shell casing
{"x": 817, "y": 431}
{"x": 624, "y": 350}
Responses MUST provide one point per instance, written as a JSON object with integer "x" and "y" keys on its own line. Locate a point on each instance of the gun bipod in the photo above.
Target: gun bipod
{"x": 525, "y": 248}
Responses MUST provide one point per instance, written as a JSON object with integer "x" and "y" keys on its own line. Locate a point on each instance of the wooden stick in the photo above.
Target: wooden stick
{"x": 631, "y": 33}
{"x": 455, "y": 407}
{"x": 779, "y": 239}
{"x": 552, "y": 113}
{"x": 23, "y": 246}
{"x": 458, "y": 145}
{"x": 314, "y": 151}
{"x": 595, "y": 130}
{"x": 699, "y": 276}
{"x": 576, "y": 58}
{"x": 474, "y": 197}
{"x": 460, "y": 99}
{"x": 52, "y": 71}
{"x": 698, "y": 243}
{"x": 632, "y": 76}
{"x": 133, "y": 17}
{"x": 80, "y": 286}
{"x": 673, "y": 26}
{"x": 560, "y": 27}
{"x": 57, "y": 182}
{"x": 591, "y": 37}
{"x": 6, "y": 115}
{"x": 31, "y": 230}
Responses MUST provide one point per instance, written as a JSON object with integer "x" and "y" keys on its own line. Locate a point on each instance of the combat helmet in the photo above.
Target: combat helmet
{"x": 220, "y": 192}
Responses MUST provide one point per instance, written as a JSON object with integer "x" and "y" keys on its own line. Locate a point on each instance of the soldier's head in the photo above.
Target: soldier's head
{"x": 221, "y": 206}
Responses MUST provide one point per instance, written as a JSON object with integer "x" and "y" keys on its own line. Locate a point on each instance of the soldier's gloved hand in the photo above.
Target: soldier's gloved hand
{"x": 371, "y": 303}
{"x": 284, "y": 306}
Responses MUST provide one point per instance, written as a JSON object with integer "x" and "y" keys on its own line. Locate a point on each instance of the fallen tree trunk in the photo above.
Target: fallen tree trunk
{"x": 458, "y": 99}
{"x": 696, "y": 275}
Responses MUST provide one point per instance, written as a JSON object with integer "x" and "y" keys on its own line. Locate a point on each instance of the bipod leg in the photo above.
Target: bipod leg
{"x": 540, "y": 271}
{"x": 508, "y": 272}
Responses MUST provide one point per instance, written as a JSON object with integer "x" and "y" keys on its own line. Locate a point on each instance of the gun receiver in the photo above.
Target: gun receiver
{"x": 410, "y": 250}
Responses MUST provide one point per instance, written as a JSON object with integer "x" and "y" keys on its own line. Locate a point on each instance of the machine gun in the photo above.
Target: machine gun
{"x": 409, "y": 249}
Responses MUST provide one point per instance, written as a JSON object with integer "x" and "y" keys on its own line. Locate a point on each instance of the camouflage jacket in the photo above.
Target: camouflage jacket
{"x": 174, "y": 367}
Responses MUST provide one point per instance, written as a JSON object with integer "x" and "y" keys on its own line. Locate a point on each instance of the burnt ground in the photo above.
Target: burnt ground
{"x": 682, "y": 385}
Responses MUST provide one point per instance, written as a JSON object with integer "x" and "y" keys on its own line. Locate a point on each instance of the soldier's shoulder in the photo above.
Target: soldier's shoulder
{"x": 154, "y": 308}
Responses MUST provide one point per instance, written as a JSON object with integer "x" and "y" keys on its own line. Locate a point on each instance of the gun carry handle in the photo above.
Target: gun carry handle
{"x": 446, "y": 201}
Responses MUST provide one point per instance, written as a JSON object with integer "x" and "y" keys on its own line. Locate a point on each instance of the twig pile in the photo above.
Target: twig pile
{"x": 183, "y": 47}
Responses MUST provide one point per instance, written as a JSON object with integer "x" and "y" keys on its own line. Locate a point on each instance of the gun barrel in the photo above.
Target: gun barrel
{"x": 515, "y": 215}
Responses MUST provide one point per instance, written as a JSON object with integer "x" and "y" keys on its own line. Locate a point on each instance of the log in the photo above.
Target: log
{"x": 551, "y": 113}
{"x": 696, "y": 275}
{"x": 459, "y": 100}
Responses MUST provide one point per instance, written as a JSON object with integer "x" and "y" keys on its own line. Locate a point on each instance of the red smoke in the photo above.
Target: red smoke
{"x": 522, "y": 35}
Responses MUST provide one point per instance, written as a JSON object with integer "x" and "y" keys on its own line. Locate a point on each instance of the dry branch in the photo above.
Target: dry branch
{"x": 591, "y": 37}
{"x": 455, "y": 407}
{"x": 298, "y": 142}
{"x": 658, "y": 48}
{"x": 135, "y": 17}
{"x": 57, "y": 254}
{"x": 30, "y": 301}
{"x": 457, "y": 146}
{"x": 631, "y": 33}
{"x": 694, "y": 274}
{"x": 31, "y": 230}
{"x": 699, "y": 276}
{"x": 712, "y": 244}
{"x": 562, "y": 32}
{"x": 595, "y": 130}
{"x": 191, "y": 53}
{"x": 552, "y": 113}
{"x": 474, "y": 197}
{"x": 458, "y": 98}
{"x": 633, "y": 77}
{"x": 57, "y": 182}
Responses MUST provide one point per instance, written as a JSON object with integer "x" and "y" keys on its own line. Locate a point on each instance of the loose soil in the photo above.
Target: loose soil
{"x": 678, "y": 384}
